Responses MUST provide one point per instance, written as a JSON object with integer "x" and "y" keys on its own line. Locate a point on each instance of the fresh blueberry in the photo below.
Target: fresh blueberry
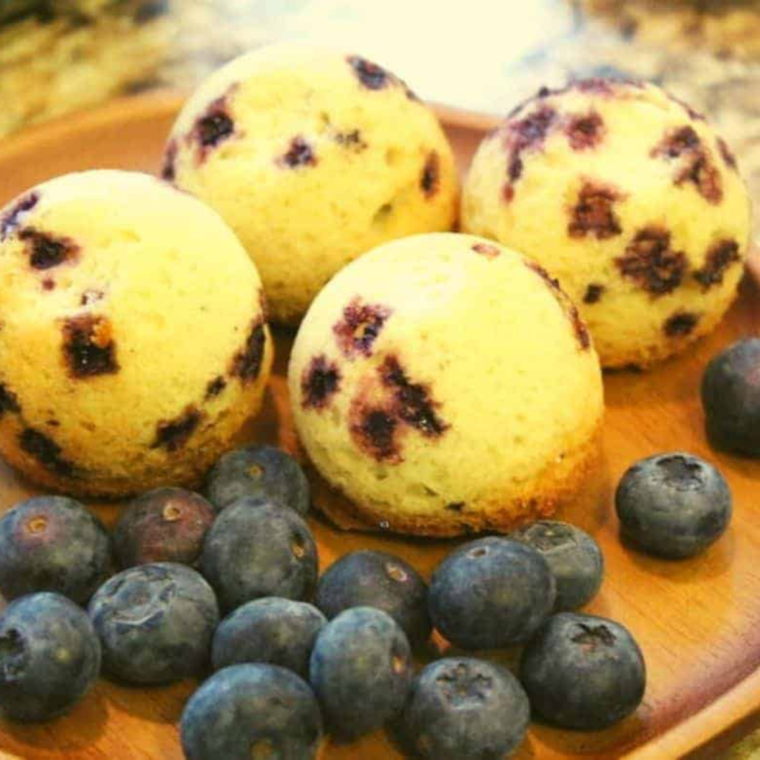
{"x": 460, "y": 708}
{"x": 262, "y": 472}
{"x": 491, "y": 593}
{"x": 731, "y": 398}
{"x": 574, "y": 558}
{"x": 252, "y": 553}
{"x": 673, "y": 505}
{"x": 49, "y": 656}
{"x": 360, "y": 670}
{"x": 155, "y": 623}
{"x": 165, "y": 525}
{"x": 252, "y": 711}
{"x": 278, "y": 631}
{"x": 582, "y": 671}
{"x": 52, "y": 543}
{"x": 377, "y": 579}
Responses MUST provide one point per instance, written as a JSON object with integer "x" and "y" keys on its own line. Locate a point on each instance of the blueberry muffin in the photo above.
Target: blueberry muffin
{"x": 445, "y": 384}
{"x": 627, "y": 197}
{"x": 313, "y": 158}
{"x": 133, "y": 342}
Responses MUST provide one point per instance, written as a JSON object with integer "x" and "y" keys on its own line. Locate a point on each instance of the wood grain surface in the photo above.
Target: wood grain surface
{"x": 698, "y": 621}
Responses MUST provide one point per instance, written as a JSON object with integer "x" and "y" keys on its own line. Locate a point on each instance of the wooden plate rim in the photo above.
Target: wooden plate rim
{"x": 737, "y": 711}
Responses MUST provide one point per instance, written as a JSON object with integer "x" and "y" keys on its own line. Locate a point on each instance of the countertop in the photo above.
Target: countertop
{"x": 58, "y": 56}
{"x": 483, "y": 55}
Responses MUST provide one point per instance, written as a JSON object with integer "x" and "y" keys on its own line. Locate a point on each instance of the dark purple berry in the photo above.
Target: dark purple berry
{"x": 165, "y": 525}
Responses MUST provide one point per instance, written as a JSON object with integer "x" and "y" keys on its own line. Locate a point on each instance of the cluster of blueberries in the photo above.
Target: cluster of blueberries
{"x": 286, "y": 670}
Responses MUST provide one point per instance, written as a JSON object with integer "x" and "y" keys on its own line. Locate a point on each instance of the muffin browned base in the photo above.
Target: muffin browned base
{"x": 559, "y": 486}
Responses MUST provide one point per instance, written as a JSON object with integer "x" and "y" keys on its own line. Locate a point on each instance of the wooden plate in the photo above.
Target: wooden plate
{"x": 697, "y": 621}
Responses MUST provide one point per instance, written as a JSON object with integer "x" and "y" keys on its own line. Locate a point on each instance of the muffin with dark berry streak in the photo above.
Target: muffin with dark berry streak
{"x": 446, "y": 384}
{"x": 313, "y": 158}
{"x": 133, "y": 341}
{"x": 630, "y": 199}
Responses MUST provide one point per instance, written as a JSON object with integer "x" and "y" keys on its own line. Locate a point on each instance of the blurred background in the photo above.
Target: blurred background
{"x": 478, "y": 57}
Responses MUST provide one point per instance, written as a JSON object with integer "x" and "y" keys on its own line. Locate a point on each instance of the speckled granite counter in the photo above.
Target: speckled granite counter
{"x": 58, "y": 56}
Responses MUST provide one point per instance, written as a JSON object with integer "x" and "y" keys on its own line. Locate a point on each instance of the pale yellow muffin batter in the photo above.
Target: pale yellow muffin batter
{"x": 133, "y": 343}
{"x": 630, "y": 199}
{"x": 444, "y": 383}
{"x": 313, "y": 158}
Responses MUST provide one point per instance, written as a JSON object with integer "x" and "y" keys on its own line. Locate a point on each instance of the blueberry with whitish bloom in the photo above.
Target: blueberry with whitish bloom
{"x": 274, "y": 630}
{"x": 360, "y": 670}
{"x": 53, "y": 543}
{"x": 460, "y": 708}
{"x": 582, "y": 671}
{"x": 259, "y": 472}
{"x": 251, "y": 711}
{"x": 155, "y": 623}
{"x": 251, "y": 553}
{"x": 731, "y": 398}
{"x": 673, "y": 505}
{"x": 575, "y": 559}
{"x": 491, "y": 593}
{"x": 49, "y": 656}
{"x": 381, "y": 580}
